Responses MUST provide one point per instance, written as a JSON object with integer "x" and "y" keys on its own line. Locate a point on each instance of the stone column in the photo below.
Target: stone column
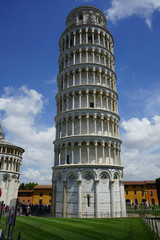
{"x": 112, "y": 203}
{"x": 102, "y": 127}
{"x": 86, "y": 35}
{"x": 80, "y": 76}
{"x": 101, "y": 102}
{"x": 73, "y": 78}
{"x": 100, "y": 76}
{"x": 74, "y": 40}
{"x": 106, "y": 100}
{"x": 87, "y": 76}
{"x": 99, "y": 56}
{"x": 106, "y": 78}
{"x": 94, "y": 96}
{"x": 104, "y": 40}
{"x": 122, "y": 198}
{"x": 87, "y": 94}
{"x": 58, "y": 130}
{"x": 62, "y": 130}
{"x": 73, "y": 100}
{"x": 66, "y": 127}
{"x": 67, "y": 98}
{"x": 109, "y": 152}
{"x": 112, "y": 128}
{"x": 53, "y": 206}
{"x": 96, "y": 182}
{"x": 94, "y": 79}
{"x": 87, "y": 118}
{"x": 92, "y": 36}
{"x": 80, "y": 36}
{"x": 80, "y": 94}
{"x": 95, "y": 123}
{"x": 73, "y": 153}
{"x": 69, "y": 44}
{"x": 79, "y": 181}
{"x": 65, "y": 155}
{"x": 80, "y": 55}
{"x": 96, "y": 159}
{"x": 80, "y": 124}
{"x": 98, "y": 37}
{"x": 109, "y": 62}
{"x": 108, "y": 130}
{"x": 93, "y": 55}
{"x": 88, "y": 152}
{"x": 74, "y": 57}
{"x": 103, "y": 153}
{"x": 64, "y": 198}
{"x": 86, "y": 55}
{"x": 72, "y": 125}
{"x": 104, "y": 58}
{"x": 80, "y": 149}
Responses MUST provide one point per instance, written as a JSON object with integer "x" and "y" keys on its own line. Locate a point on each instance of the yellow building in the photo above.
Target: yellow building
{"x": 42, "y": 194}
{"x": 139, "y": 192}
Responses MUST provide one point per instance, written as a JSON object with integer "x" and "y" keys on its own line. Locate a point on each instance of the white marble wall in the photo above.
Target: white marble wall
{"x": 96, "y": 199}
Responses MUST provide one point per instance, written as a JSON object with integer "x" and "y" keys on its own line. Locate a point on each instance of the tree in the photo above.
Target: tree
{"x": 22, "y": 186}
{"x": 158, "y": 189}
{"x": 27, "y": 186}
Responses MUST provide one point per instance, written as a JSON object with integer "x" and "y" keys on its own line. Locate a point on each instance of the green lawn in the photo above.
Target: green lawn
{"x": 36, "y": 228}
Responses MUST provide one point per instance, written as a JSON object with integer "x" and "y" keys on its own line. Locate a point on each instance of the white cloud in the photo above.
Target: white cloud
{"x": 52, "y": 81}
{"x": 41, "y": 176}
{"x": 21, "y": 111}
{"x": 141, "y": 149}
{"x": 141, "y": 133}
{"x": 121, "y": 9}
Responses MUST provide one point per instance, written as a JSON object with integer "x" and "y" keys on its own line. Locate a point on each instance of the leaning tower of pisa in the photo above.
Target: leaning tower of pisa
{"x": 87, "y": 176}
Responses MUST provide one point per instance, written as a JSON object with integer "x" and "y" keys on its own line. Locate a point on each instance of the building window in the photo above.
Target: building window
{"x": 151, "y": 193}
{"x": 150, "y": 186}
{"x": 41, "y": 194}
{"x": 50, "y": 200}
{"x": 67, "y": 159}
{"x": 88, "y": 200}
{"x": 135, "y": 192}
{"x": 126, "y": 186}
{"x": 80, "y": 17}
{"x": 126, "y": 192}
{"x": 134, "y": 186}
{"x": 142, "y": 192}
{"x": 40, "y": 201}
{"x": 91, "y": 104}
{"x": 50, "y": 194}
{"x": 28, "y": 200}
{"x": 23, "y": 200}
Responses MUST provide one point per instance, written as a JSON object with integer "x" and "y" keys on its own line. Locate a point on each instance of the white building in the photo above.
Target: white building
{"x": 87, "y": 173}
{"x": 10, "y": 163}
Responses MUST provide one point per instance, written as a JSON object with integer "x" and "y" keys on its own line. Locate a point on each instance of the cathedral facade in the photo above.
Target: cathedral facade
{"x": 87, "y": 176}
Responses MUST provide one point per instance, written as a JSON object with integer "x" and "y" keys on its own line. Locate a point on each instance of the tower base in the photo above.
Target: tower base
{"x": 88, "y": 191}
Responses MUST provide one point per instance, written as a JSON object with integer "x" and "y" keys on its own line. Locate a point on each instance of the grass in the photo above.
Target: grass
{"x": 36, "y": 228}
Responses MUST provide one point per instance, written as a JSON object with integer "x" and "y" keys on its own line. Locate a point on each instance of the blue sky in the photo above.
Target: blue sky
{"x": 30, "y": 31}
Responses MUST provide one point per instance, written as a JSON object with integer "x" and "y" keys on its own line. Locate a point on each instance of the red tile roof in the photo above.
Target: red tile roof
{"x": 139, "y": 182}
{"x": 25, "y": 191}
{"x": 43, "y": 187}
